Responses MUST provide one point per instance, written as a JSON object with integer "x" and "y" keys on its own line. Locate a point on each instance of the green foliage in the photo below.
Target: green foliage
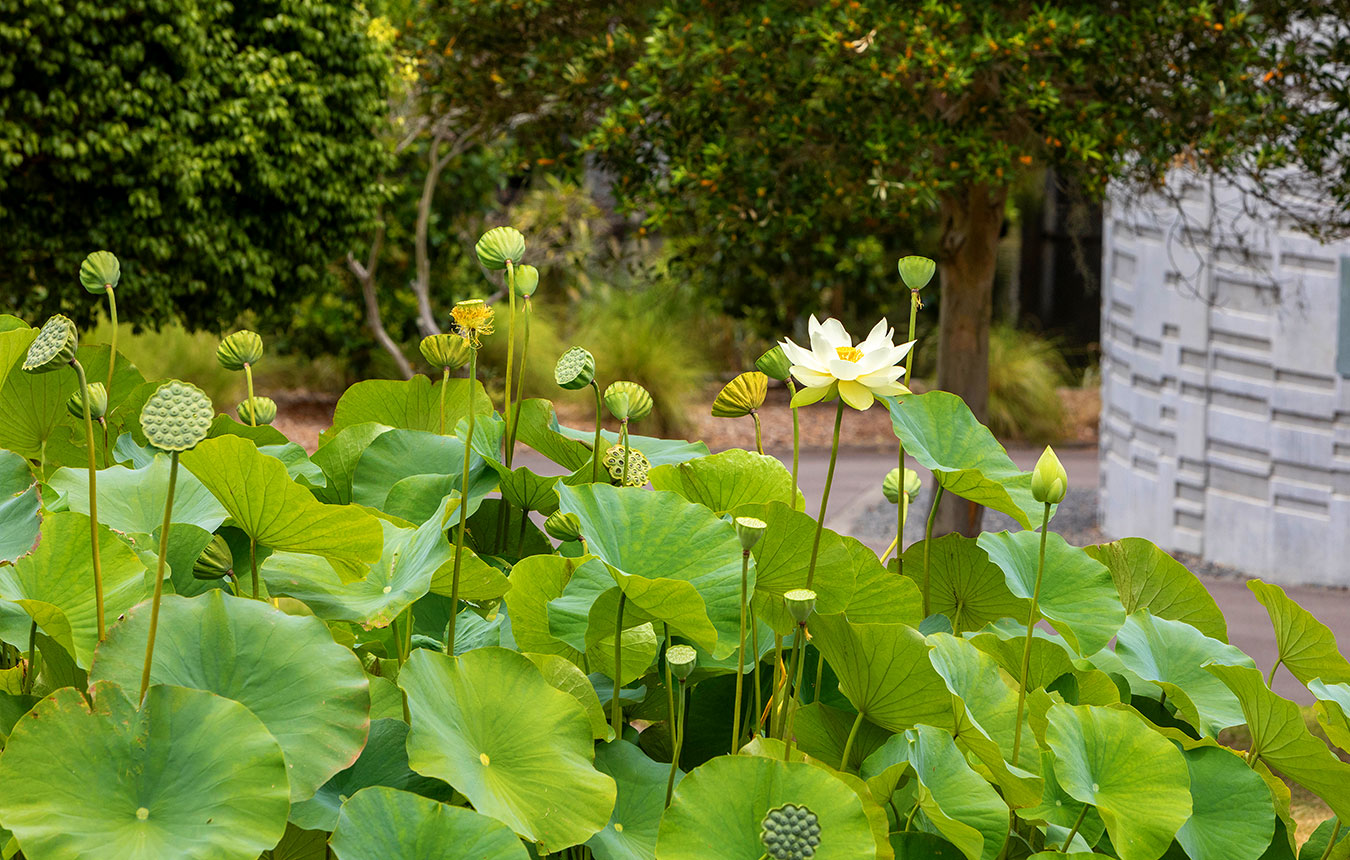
{"x": 224, "y": 150}
{"x": 1025, "y": 373}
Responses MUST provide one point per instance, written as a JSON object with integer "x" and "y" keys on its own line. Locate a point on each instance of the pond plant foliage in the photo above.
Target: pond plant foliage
{"x": 408, "y": 645}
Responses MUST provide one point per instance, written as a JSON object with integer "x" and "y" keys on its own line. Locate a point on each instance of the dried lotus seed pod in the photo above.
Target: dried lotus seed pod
{"x": 54, "y": 347}
{"x": 98, "y": 402}
{"x": 741, "y": 396}
{"x": 100, "y": 272}
{"x": 257, "y": 411}
{"x": 638, "y": 466}
{"x": 575, "y": 369}
{"x": 177, "y": 416}
{"x": 239, "y": 349}
{"x": 499, "y": 245}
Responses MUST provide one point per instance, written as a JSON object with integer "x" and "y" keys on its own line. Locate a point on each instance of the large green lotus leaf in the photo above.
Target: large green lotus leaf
{"x": 962, "y": 806}
{"x": 718, "y": 809}
{"x": 1333, "y": 710}
{"x": 990, "y": 703}
{"x": 1282, "y": 740}
{"x": 263, "y": 434}
{"x": 132, "y": 500}
{"x": 383, "y": 761}
{"x": 1304, "y": 645}
{"x": 1171, "y": 653}
{"x": 783, "y": 559}
{"x": 584, "y": 617}
{"x": 632, "y": 828}
{"x": 310, "y": 692}
{"x": 538, "y": 428}
{"x": 1148, "y": 578}
{"x": 884, "y": 672}
{"x": 659, "y": 452}
{"x": 299, "y": 844}
{"x": 1232, "y": 815}
{"x": 13, "y": 705}
{"x": 20, "y": 507}
{"x": 338, "y": 455}
{"x": 521, "y": 539}
{"x": 917, "y": 845}
{"x": 190, "y": 776}
{"x": 564, "y": 675}
{"x": 822, "y": 733}
{"x": 729, "y": 480}
{"x": 54, "y": 585}
{"x": 964, "y": 585}
{"x": 1050, "y": 656}
{"x": 389, "y": 824}
{"x": 401, "y": 454}
{"x": 15, "y": 338}
{"x": 1136, "y": 778}
{"x": 297, "y": 463}
{"x": 534, "y": 582}
{"x": 1078, "y": 596}
{"x": 879, "y": 596}
{"x": 520, "y": 750}
{"x": 412, "y": 404}
{"x": 525, "y": 489}
{"x": 1317, "y": 845}
{"x": 676, "y": 561}
{"x": 1059, "y": 811}
{"x": 943, "y": 435}
{"x": 273, "y": 510}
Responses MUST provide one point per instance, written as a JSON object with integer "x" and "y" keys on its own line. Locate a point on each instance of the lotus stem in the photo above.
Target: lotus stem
{"x": 900, "y": 449}
{"x": 678, "y": 739}
{"x": 445, "y": 383}
{"x": 159, "y": 574}
{"x": 1331, "y": 843}
{"x": 32, "y": 660}
{"x": 107, "y": 453}
{"x": 759, "y": 433}
{"x": 615, "y": 707}
{"x": 740, "y": 655}
{"x": 1273, "y": 669}
{"x": 623, "y": 443}
{"x": 759, "y": 697}
{"x": 595, "y": 449}
{"x": 248, "y": 378}
{"x": 93, "y": 498}
{"x": 778, "y": 671}
{"x": 820, "y": 675}
{"x": 112, "y": 354}
{"x": 463, "y": 508}
{"x": 1026, "y": 647}
{"x": 825, "y": 496}
{"x": 928, "y": 540}
{"x": 520, "y": 383}
{"x": 892, "y": 546}
{"x": 848, "y": 744}
{"x": 798, "y": 642}
{"x": 510, "y": 352}
{"x": 253, "y": 564}
{"x": 670, "y": 694}
{"x": 1068, "y": 840}
{"x": 796, "y": 444}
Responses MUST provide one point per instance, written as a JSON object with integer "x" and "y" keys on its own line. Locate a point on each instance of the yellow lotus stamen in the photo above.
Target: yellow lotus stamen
{"x": 472, "y": 318}
{"x": 849, "y": 353}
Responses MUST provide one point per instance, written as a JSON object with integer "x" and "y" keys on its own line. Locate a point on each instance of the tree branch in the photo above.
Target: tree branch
{"x": 365, "y": 276}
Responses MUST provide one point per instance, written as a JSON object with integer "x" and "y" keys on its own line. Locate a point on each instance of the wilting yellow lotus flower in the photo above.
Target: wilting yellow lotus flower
{"x": 834, "y": 365}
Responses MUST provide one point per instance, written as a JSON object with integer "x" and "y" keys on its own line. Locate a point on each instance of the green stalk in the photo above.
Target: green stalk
{"x": 798, "y": 646}
{"x": 679, "y": 743}
{"x": 248, "y": 377}
{"x": 759, "y": 433}
{"x": 796, "y": 444}
{"x": 670, "y": 687}
{"x": 463, "y": 509}
{"x": 848, "y": 744}
{"x": 510, "y": 350}
{"x": 159, "y": 574}
{"x": 1031, "y": 626}
{"x": 1273, "y": 670}
{"x": 740, "y": 654}
{"x": 825, "y": 497}
{"x": 595, "y": 449}
{"x": 759, "y": 699}
{"x": 928, "y": 542}
{"x": 520, "y": 383}
{"x": 623, "y": 444}
{"x": 107, "y": 452}
{"x": 93, "y": 499}
{"x": 112, "y": 355}
{"x": 253, "y": 563}
{"x": 777, "y": 685}
{"x": 900, "y": 508}
{"x": 1331, "y": 843}
{"x": 445, "y": 383}
{"x": 615, "y": 708}
{"x": 32, "y": 660}
{"x": 1074, "y": 830}
{"x": 820, "y": 675}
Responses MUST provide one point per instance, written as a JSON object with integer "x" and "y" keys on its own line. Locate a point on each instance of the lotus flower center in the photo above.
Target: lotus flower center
{"x": 849, "y": 353}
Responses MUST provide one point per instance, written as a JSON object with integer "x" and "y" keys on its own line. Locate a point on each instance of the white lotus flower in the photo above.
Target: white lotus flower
{"x": 834, "y": 364}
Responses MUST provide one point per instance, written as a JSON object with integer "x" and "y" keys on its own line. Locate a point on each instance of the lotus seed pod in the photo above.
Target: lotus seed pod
{"x": 890, "y": 485}
{"x": 499, "y": 245}
{"x": 790, "y": 832}
{"x": 215, "y": 561}
{"x": 527, "y": 280}
{"x": 472, "y": 318}
{"x": 749, "y": 530}
{"x": 775, "y": 364}
{"x": 240, "y": 349}
{"x": 916, "y": 271}
{"x": 446, "y": 351}
{"x": 682, "y": 659}
{"x": 258, "y": 411}
{"x": 801, "y": 602}
{"x": 54, "y": 347}
{"x": 628, "y": 401}
{"x": 100, "y": 272}
{"x": 638, "y": 465}
{"x": 98, "y": 402}
{"x": 741, "y": 396}
{"x": 1049, "y": 481}
{"x": 177, "y": 416}
{"x": 562, "y": 526}
{"x": 575, "y": 369}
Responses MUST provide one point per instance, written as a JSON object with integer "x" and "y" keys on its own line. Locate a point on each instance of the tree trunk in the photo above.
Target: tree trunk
{"x": 971, "y": 220}
{"x": 365, "y": 276}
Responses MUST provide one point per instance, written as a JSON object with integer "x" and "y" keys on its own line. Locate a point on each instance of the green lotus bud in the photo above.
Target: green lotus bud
{"x": 638, "y": 465}
{"x": 98, "y": 402}
{"x": 741, "y": 396}
{"x": 499, "y": 245}
{"x": 257, "y": 411}
{"x": 177, "y": 416}
{"x": 527, "y": 280}
{"x": 790, "y": 832}
{"x": 916, "y": 272}
{"x": 801, "y": 602}
{"x": 100, "y": 272}
{"x": 628, "y": 401}
{"x": 775, "y": 364}
{"x": 682, "y": 659}
{"x": 1049, "y": 481}
{"x": 749, "y": 530}
{"x": 575, "y": 369}
{"x": 563, "y": 526}
{"x": 54, "y": 347}
{"x": 215, "y": 561}
{"x": 239, "y": 349}
{"x": 890, "y": 486}
{"x": 445, "y": 351}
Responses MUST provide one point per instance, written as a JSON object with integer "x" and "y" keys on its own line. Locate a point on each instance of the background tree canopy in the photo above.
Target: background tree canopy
{"x": 227, "y": 152}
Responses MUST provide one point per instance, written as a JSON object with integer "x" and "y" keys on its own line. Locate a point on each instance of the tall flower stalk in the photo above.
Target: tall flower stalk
{"x": 916, "y": 272}
{"x": 801, "y": 603}
{"x": 749, "y": 530}
{"x": 240, "y": 351}
{"x": 99, "y": 274}
{"x": 680, "y": 660}
{"x": 743, "y": 396}
{"x": 448, "y": 352}
{"x": 775, "y": 365}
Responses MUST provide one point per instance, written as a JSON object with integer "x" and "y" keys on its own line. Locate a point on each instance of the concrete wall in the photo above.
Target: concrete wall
{"x": 1225, "y": 427}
